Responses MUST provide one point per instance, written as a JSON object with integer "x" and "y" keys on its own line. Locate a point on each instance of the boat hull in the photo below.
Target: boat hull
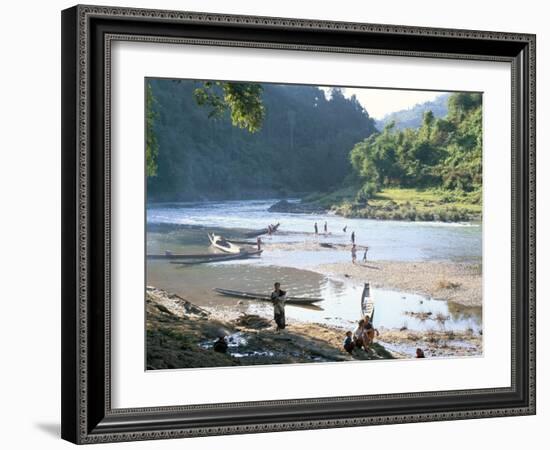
{"x": 228, "y": 247}
{"x": 267, "y": 298}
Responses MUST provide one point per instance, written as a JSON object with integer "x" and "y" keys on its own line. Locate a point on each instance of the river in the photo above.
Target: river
{"x": 181, "y": 228}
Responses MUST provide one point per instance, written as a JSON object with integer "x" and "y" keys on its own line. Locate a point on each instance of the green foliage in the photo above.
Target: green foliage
{"x": 151, "y": 144}
{"x": 367, "y": 191}
{"x": 243, "y": 100}
{"x": 302, "y": 145}
{"x": 443, "y": 153}
{"x": 414, "y": 204}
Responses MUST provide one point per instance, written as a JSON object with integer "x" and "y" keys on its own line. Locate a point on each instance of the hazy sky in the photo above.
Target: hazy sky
{"x": 379, "y": 102}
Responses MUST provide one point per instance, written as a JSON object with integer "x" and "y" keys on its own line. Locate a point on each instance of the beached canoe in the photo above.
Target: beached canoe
{"x": 170, "y": 255}
{"x": 217, "y": 258}
{"x": 266, "y": 297}
{"x": 262, "y": 231}
{"x": 222, "y": 244}
{"x": 367, "y": 303}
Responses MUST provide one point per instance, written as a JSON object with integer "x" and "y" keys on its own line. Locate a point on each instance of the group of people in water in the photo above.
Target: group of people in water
{"x": 354, "y": 246}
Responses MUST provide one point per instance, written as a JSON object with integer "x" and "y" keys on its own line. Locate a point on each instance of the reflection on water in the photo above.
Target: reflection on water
{"x": 341, "y": 305}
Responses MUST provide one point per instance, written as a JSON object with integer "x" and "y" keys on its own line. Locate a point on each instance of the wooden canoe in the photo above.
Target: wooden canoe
{"x": 217, "y": 258}
{"x": 266, "y": 297}
{"x": 367, "y": 303}
{"x": 257, "y": 233}
{"x": 222, "y": 244}
{"x": 169, "y": 255}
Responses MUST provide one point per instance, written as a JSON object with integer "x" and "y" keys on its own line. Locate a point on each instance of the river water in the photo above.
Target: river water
{"x": 181, "y": 228}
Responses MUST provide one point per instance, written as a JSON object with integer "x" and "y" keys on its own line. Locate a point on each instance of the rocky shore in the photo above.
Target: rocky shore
{"x": 181, "y": 335}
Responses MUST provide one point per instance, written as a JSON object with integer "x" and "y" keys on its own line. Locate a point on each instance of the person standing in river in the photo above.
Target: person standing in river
{"x": 278, "y": 297}
{"x": 353, "y": 253}
{"x": 326, "y": 227}
{"x": 316, "y": 228}
{"x": 365, "y": 254}
{"x": 259, "y": 243}
{"x": 353, "y": 237}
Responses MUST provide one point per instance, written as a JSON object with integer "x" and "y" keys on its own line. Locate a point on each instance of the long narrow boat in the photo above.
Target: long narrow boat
{"x": 367, "y": 303}
{"x": 222, "y": 244}
{"x": 266, "y": 298}
{"x": 217, "y": 258}
{"x": 170, "y": 255}
{"x": 256, "y": 233}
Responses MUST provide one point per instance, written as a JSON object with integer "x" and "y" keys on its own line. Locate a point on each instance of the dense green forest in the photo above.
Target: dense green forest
{"x": 444, "y": 153}
{"x": 203, "y": 142}
{"x": 412, "y": 117}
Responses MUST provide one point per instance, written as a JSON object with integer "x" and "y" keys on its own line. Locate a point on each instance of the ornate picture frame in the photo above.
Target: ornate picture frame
{"x": 87, "y": 35}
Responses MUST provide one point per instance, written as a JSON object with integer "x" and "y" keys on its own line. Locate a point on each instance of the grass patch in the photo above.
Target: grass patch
{"x": 404, "y": 204}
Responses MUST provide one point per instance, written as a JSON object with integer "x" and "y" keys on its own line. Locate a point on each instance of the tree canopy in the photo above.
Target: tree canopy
{"x": 443, "y": 153}
{"x": 239, "y": 139}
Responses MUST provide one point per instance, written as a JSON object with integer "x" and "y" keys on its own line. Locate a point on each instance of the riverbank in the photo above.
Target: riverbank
{"x": 452, "y": 281}
{"x": 401, "y": 204}
{"x": 181, "y": 335}
{"x": 434, "y": 343}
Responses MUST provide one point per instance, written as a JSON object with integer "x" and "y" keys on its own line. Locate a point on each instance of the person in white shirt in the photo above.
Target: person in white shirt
{"x": 358, "y": 334}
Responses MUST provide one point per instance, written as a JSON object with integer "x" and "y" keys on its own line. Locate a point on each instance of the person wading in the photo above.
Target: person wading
{"x": 353, "y": 253}
{"x": 278, "y": 297}
{"x": 365, "y": 255}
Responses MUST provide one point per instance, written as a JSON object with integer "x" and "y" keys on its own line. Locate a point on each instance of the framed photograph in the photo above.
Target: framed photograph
{"x": 281, "y": 224}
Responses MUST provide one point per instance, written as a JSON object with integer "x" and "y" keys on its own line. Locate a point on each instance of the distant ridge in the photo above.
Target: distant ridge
{"x": 412, "y": 117}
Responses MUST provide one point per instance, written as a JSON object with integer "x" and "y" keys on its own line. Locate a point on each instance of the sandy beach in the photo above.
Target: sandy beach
{"x": 452, "y": 281}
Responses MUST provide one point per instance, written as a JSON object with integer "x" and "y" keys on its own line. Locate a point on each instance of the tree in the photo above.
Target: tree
{"x": 243, "y": 100}
{"x": 445, "y": 152}
{"x": 302, "y": 146}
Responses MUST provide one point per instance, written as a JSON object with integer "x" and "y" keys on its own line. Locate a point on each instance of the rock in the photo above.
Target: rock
{"x": 284, "y": 206}
{"x": 252, "y": 321}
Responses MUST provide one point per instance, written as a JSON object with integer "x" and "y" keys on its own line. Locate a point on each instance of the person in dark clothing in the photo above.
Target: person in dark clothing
{"x": 353, "y": 237}
{"x": 365, "y": 255}
{"x": 420, "y": 353}
{"x": 345, "y": 229}
{"x": 326, "y": 228}
{"x": 316, "y": 228}
{"x": 220, "y": 345}
{"x": 349, "y": 345}
{"x": 353, "y": 253}
{"x": 278, "y": 297}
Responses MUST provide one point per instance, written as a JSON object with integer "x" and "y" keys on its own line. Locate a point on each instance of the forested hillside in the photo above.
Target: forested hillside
{"x": 430, "y": 173}
{"x": 443, "y": 153}
{"x": 412, "y": 117}
{"x": 301, "y": 145}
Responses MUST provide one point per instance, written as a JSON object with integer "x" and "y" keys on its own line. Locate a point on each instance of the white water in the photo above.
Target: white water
{"x": 387, "y": 240}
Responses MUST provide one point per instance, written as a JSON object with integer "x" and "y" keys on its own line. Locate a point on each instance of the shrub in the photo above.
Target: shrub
{"x": 366, "y": 193}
